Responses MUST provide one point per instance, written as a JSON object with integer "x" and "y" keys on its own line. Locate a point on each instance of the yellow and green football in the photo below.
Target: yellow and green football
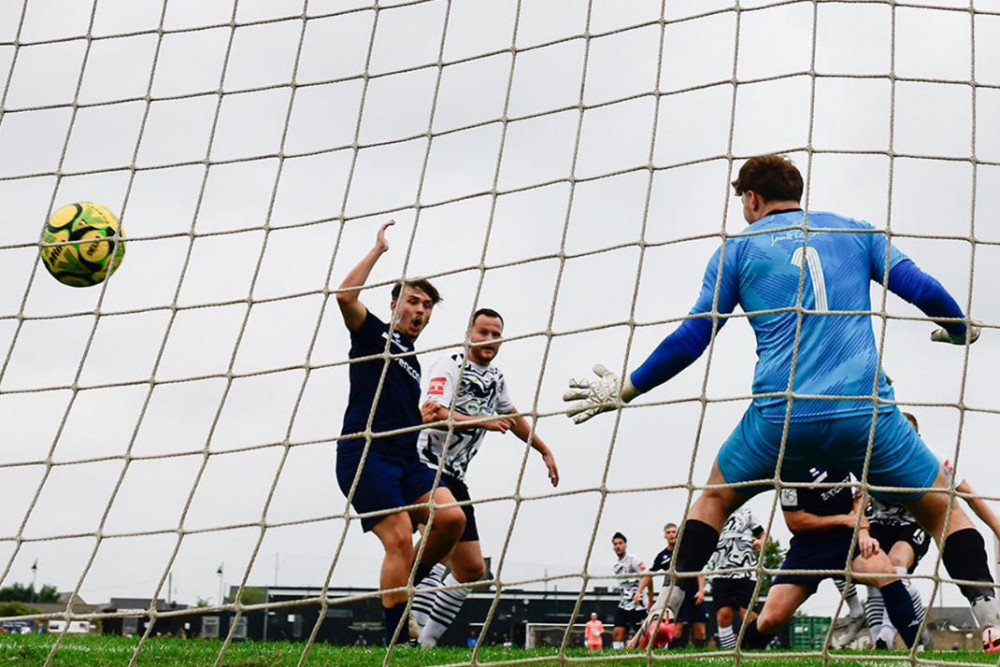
{"x": 93, "y": 244}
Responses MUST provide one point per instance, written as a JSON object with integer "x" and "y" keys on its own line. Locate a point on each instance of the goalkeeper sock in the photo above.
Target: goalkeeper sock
{"x": 697, "y": 544}
{"x": 393, "y": 615}
{"x": 754, "y": 638}
{"x": 423, "y": 601}
{"x": 899, "y": 606}
{"x": 446, "y": 606}
{"x": 964, "y": 556}
{"x": 726, "y": 637}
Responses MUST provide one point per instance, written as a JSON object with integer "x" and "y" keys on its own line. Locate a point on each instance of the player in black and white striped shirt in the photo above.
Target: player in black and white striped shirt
{"x": 472, "y": 393}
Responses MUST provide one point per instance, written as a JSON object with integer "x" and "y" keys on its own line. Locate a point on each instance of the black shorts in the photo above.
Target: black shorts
{"x": 912, "y": 534}
{"x": 736, "y": 593}
{"x": 461, "y": 492}
{"x": 691, "y": 611}
{"x": 630, "y": 619}
{"x": 817, "y": 551}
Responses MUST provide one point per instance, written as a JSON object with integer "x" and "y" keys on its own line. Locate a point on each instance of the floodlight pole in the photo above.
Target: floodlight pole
{"x": 220, "y": 573}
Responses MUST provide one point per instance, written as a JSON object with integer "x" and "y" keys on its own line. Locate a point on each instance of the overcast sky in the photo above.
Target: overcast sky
{"x": 260, "y": 195}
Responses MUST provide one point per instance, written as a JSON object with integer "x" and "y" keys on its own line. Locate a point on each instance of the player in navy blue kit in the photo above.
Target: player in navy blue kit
{"x": 805, "y": 282}
{"x": 381, "y": 472}
{"x": 822, "y": 523}
{"x": 692, "y": 613}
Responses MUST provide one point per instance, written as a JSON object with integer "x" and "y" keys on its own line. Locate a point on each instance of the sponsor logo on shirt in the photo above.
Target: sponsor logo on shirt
{"x": 436, "y": 387}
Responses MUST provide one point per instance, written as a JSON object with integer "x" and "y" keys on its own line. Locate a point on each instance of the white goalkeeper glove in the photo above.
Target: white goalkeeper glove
{"x": 596, "y": 396}
{"x": 942, "y": 336}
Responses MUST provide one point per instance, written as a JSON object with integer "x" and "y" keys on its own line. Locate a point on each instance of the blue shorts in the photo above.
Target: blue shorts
{"x": 818, "y": 551}
{"x": 899, "y": 457}
{"x": 392, "y": 477}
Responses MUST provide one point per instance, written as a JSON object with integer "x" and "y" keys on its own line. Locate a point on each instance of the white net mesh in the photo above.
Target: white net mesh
{"x": 566, "y": 163}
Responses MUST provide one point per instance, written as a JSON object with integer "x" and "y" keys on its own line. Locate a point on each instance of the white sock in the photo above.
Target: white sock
{"x": 987, "y": 612}
{"x": 874, "y": 611}
{"x": 726, "y": 637}
{"x": 617, "y": 645}
{"x": 423, "y": 601}
{"x": 850, "y": 593}
{"x": 888, "y": 634}
{"x": 446, "y": 606}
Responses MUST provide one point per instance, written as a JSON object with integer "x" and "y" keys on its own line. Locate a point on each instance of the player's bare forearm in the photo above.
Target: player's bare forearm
{"x": 801, "y": 521}
{"x": 439, "y": 415}
{"x": 522, "y": 429}
{"x": 349, "y": 301}
{"x": 980, "y": 507}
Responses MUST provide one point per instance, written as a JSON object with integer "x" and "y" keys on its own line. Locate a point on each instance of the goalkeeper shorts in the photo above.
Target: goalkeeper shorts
{"x": 899, "y": 457}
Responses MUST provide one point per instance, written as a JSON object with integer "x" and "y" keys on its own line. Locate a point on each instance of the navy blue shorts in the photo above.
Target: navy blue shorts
{"x": 461, "y": 492}
{"x": 899, "y": 457}
{"x": 392, "y": 477}
{"x": 821, "y": 551}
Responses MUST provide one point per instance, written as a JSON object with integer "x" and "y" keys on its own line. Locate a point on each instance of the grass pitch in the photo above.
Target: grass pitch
{"x": 105, "y": 651}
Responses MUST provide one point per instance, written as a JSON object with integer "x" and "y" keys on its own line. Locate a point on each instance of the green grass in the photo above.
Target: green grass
{"x": 98, "y": 651}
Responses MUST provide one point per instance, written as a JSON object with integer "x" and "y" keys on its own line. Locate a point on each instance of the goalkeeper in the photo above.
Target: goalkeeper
{"x": 808, "y": 279}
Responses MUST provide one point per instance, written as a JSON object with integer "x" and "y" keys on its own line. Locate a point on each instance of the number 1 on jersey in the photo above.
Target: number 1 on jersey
{"x": 814, "y": 268}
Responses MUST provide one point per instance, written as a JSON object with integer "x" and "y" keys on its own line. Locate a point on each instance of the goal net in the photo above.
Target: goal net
{"x": 170, "y": 434}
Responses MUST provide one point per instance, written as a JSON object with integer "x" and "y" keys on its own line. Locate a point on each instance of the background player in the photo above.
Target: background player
{"x": 822, "y": 523}
{"x": 833, "y": 260}
{"x": 692, "y": 615}
{"x": 478, "y": 390}
{"x": 631, "y": 608}
{"x": 594, "y": 633}
{"x": 388, "y": 474}
{"x": 740, "y": 542}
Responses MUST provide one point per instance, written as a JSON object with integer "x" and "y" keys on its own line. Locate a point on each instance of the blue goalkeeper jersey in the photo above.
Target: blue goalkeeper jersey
{"x": 837, "y": 354}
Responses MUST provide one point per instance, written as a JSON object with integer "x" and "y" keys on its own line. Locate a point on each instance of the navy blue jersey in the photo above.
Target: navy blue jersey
{"x": 823, "y": 501}
{"x": 829, "y": 501}
{"x": 661, "y": 563}
{"x": 399, "y": 402}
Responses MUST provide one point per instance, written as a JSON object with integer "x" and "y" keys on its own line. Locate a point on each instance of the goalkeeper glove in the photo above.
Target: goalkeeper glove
{"x": 942, "y": 336}
{"x": 596, "y": 396}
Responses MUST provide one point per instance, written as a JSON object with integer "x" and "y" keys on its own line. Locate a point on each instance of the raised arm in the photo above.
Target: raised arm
{"x": 522, "y": 428}
{"x": 351, "y": 307}
{"x": 980, "y": 507}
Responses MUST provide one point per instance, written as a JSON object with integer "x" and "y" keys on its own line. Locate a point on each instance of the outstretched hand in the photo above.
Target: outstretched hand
{"x": 942, "y": 336}
{"x": 594, "y": 396}
{"x": 380, "y": 242}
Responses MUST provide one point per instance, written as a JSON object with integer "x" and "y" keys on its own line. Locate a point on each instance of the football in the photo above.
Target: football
{"x": 93, "y": 244}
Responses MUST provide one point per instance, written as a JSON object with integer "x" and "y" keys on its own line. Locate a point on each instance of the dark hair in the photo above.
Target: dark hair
{"x": 422, "y": 285}
{"x": 619, "y": 536}
{"x": 913, "y": 421}
{"x": 773, "y": 177}
{"x": 488, "y": 312}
